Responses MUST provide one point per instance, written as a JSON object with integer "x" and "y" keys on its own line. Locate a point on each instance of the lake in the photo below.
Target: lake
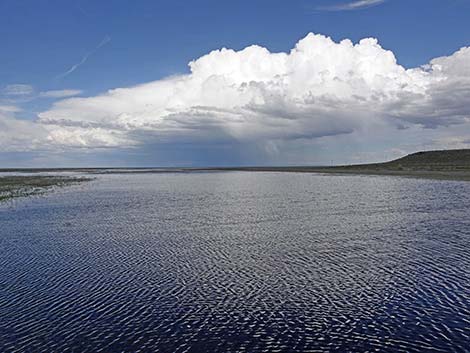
{"x": 239, "y": 262}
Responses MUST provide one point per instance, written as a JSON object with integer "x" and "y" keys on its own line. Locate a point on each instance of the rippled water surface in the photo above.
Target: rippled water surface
{"x": 237, "y": 261}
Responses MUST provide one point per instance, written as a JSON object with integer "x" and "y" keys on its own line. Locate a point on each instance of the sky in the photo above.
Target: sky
{"x": 223, "y": 83}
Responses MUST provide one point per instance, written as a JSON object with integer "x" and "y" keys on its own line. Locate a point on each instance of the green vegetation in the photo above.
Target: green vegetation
{"x": 17, "y": 186}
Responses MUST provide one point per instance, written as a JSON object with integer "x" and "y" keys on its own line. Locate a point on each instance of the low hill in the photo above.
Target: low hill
{"x": 444, "y": 160}
{"x": 446, "y": 164}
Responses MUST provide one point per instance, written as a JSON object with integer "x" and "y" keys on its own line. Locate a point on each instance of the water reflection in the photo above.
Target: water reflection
{"x": 238, "y": 262}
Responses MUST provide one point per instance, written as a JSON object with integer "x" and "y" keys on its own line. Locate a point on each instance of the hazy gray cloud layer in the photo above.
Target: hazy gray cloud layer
{"x": 319, "y": 89}
{"x": 20, "y": 135}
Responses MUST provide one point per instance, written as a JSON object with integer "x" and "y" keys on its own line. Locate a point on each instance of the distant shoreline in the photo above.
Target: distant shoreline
{"x": 440, "y": 165}
{"x": 427, "y": 174}
{"x": 422, "y": 174}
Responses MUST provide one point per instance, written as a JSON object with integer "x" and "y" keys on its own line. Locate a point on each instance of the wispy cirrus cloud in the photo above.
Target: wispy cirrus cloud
{"x": 354, "y": 5}
{"x": 103, "y": 42}
{"x": 17, "y": 93}
{"x": 18, "y": 89}
{"x": 62, "y": 93}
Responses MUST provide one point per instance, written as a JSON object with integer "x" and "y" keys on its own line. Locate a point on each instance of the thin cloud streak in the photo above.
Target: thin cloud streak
{"x": 60, "y": 93}
{"x": 18, "y": 90}
{"x": 356, "y": 5}
{"x": 105, "y": 41}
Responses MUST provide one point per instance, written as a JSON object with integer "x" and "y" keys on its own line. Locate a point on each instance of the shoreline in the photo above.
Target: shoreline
{"x": 420, "y": 174}
{"x": 440, "y": 174}
{"x": 15, "y": 186}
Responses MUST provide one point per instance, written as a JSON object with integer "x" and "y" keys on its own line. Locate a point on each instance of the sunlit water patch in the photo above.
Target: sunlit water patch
{"x": 238, "y": 261}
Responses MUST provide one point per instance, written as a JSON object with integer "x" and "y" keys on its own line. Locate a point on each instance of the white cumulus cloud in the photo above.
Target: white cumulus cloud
{"x": 320, "y": 95}
{"x": 320, "y": 88}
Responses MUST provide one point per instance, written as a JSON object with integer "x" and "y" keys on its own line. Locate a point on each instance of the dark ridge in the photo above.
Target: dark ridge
{"x": 456, "y": 159}
{"x": 442, "y": 160}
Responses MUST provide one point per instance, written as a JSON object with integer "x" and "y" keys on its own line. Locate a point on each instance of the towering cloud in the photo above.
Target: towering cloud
{"x": 320, "y": 88}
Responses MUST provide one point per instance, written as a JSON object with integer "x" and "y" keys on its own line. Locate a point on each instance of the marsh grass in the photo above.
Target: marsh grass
{"x": 20, "y": 186}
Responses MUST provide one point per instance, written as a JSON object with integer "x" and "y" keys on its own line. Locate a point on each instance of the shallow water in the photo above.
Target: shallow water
{"x": 237, "y": 261}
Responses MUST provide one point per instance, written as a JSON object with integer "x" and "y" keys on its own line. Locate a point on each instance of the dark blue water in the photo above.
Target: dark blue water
{"x": 240, "y": 262}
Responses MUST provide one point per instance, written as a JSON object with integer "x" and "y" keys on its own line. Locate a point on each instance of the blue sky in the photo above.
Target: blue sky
{"x": 87, "y": 47}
